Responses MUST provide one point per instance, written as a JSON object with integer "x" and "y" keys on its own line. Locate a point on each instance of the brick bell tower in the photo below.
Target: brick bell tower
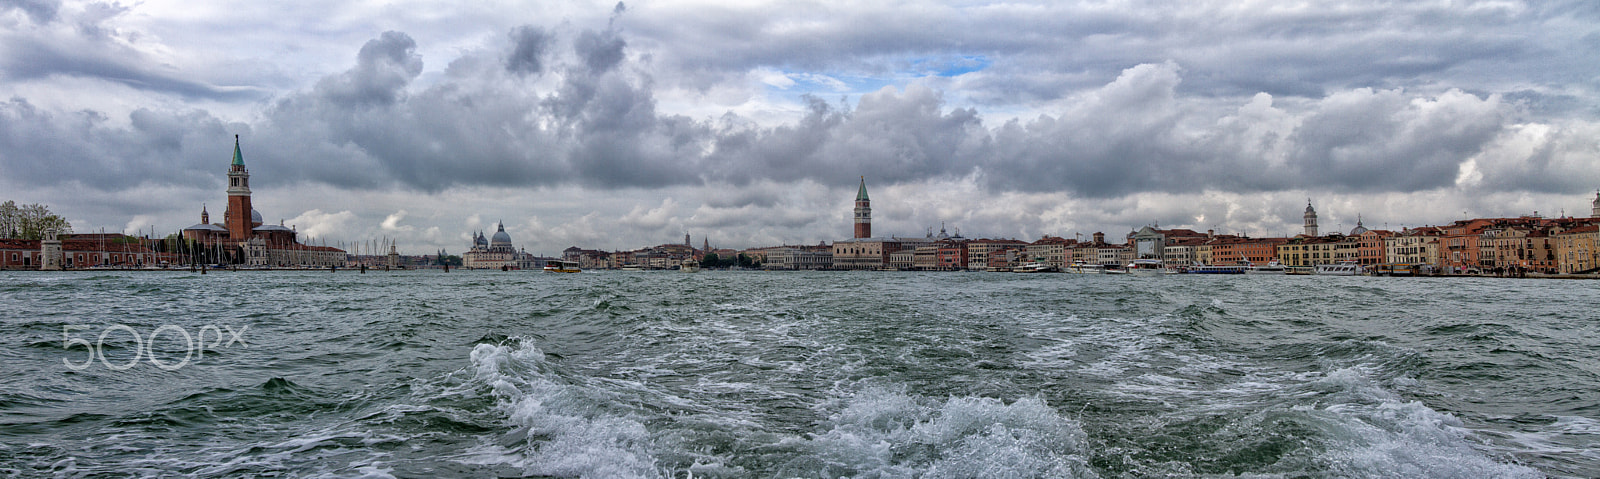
{"x": 238, "y": 219}
{"x": 863, "y": 212}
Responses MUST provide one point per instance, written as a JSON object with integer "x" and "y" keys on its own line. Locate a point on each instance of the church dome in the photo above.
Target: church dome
{"x": 1359, "y": 228}
{"x": 500, "y": 237}
{"x": 255, "y": 218}
{"x": 478, "y": 239}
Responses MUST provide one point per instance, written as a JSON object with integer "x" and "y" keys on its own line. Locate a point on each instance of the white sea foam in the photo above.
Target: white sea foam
{"x": 885, "y": 433}
{"x": 565, "y": 430}
{"x": 1378, "y": 434}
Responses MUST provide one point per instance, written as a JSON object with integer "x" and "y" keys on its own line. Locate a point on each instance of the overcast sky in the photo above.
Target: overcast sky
{"x": 617, "y": 126}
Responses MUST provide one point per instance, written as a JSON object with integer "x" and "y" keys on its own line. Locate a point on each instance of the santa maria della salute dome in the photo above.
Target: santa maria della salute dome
{"x": 495, "y": 252}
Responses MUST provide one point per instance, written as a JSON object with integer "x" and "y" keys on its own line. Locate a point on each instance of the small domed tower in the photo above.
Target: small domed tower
{"x": 1311, "y": 219}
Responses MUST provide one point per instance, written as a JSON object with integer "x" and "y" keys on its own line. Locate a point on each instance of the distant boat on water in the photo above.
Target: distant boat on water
{"x": 561, "y": 266}
{"x": 1147, "y": 267}
{"x": 1272, "y": 267}
{"x": 1033, "y": 267}
{"x": 1342, "y": 268}
{"x": 1079, "y": 267}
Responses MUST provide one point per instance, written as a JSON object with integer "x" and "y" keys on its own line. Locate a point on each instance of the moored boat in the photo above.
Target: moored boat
{"x": 1033, "y": 267}
{"x": 1079, "y": 267}
{"x": 1147, "y": 267}
{"x": 1272, "y": 267}
{"x": 561, "y": 266}
{"x": 1342, "y": 268}
{"x": 1198, "y": 268}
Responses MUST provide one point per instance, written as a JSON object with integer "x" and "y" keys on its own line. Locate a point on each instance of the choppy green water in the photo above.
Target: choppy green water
{"x": 747, "y": 374}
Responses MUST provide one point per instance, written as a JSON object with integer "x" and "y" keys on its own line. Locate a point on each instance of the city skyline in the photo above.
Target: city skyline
{"x": 619, "y": 126}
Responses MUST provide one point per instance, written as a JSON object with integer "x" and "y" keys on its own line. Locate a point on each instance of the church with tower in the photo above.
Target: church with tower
{"x": 243, "y": 239}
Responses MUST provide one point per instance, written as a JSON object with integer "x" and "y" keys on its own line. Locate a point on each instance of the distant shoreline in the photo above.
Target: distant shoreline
{"x": 357, "y": 270}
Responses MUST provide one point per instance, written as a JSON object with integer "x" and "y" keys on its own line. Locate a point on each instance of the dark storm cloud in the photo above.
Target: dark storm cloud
{"x": 600, "y": 51}
{"x": 30, "y": 60}
{"x": 555, "y": 108}
{"x": 383, "y": 68}
{"x": 42, "y": 148}
{"x": 528, "y": 50}
{"x": 888, "y": 136}
{"x": 1053, "y": 49}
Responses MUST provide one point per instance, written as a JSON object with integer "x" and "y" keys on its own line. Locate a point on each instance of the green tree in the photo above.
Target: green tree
{"x": 29, "y": 221}
{"x": 710, "y": 261}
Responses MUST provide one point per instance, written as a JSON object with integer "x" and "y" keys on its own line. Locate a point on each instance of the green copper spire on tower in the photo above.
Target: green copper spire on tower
{"x": 238, "y": 158}
{"x": 862, "y": 195}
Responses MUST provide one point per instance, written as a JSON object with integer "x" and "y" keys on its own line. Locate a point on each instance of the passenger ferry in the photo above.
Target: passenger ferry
{"x": 1032, "y": 267}
{"x": 1402, "y": 269}
{"x": 1272, "y": 267}
{"x": 1147, "y": 267}
{"x": 1079, "y": 267}
{"x": 1342, "y": 268}
{"x": 689, "y": 266}
{"x": 1198, "y": 268}
{"x": 561, "y": 266}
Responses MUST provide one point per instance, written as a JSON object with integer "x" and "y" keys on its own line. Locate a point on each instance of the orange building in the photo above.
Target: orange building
{"x": 1233, "y": 251}
{"x": 1372, "y": 247}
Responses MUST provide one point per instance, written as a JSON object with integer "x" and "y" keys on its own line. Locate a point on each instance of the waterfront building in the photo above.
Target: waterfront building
{"x": 1182, "y": 252}
{"x": 1239, "y": 251}
{"x": 1414, "y": 246}
{"x": 1578, "y": 249}
{"x": 1461, "y": 247}
{"x": 799, "y": 257}
{"x": 863, "y": 253}
{"x": 978, "y": 251}
{"x": 925, "y": 257}
{"x": 1373, "y": 248}
{"x": 1307, "y": 251}
{"x": 1050, "y": 249}
{"x": 904, "y": 254}
{"x": 1003, "y": 257}
{"x": 1151, "y": 243}
{"x": 1458, "y": 252}
{"x": 1348, "y": 249}
{"x": 1524, "y": 247}
{"x": 953, "y": 255}
{"x": 756, "y": 255}
{"x": 1114, "y": 255}
{"x": 1096, "y": 251}
{"x": 903, "y": 259}
{"x": 587, "y": 258}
